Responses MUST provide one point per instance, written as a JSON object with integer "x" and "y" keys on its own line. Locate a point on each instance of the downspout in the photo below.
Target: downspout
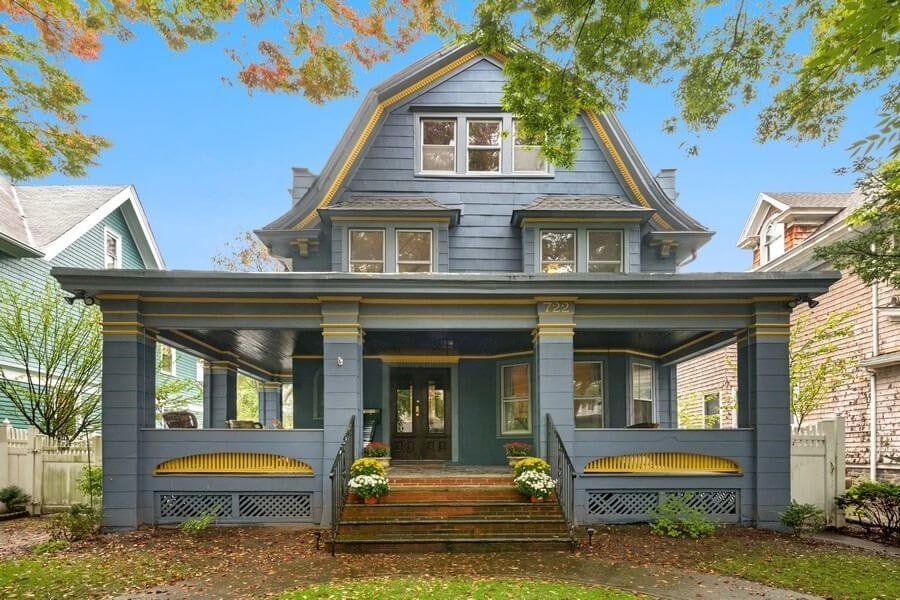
{"x": 873, "y": 389}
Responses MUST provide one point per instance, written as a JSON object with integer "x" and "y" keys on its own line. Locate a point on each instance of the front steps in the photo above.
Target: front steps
{"x": 452, "y": 513}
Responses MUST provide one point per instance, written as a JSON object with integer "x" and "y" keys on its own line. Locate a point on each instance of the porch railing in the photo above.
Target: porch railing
{"x": 340, "y": 475}
{"x": 563, "y": 471}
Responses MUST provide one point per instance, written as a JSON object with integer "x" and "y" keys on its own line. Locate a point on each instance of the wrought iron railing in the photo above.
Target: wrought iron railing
{"x": 340, "y": 475}
{"x": 562, "y": 470}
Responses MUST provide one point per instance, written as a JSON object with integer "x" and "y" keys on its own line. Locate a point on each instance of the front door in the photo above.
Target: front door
{"x": 420, "y": 411}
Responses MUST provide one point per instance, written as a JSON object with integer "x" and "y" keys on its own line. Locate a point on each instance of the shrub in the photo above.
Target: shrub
{"x": 535, "y": 483}
{"x": 376, "y": 450}
{"x": 14, "y": 498}
{"x": 531, "y": 464}
{"x": 517, "y": 449}
{"x": 79, "y": 522}
{"x": 195, "y": 525}
{"x": 803, "y": 517}
{"x": 50, "y": 546}
{"x": 90, "y": 481}
{"x": 877, "y": 504}
{"x": 366, "y": 466}
{"x": 675, "y": 518}
{"x": 368, "y": 486}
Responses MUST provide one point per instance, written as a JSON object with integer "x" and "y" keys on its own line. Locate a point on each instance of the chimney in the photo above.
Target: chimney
{"x": 666, "y": 180}
{"x": 303, "y": 180}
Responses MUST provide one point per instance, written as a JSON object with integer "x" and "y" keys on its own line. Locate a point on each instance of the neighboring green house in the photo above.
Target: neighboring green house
{"x": 87, "y": 226}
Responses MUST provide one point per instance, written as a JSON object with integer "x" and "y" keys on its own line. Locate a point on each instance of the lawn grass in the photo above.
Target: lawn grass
{"x": 451, "y": 588}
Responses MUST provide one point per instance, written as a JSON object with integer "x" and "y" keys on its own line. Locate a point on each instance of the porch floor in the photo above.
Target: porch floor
{"x": 439, "y": 468}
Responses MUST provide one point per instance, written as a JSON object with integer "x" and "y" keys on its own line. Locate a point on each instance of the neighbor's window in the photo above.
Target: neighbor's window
{"x": 515, "y": 401}
{"x": 527, "y": 156}
{"x": 604, "y": 251}
{"x": 712, "y": 411}
{"x": 641, "y": 394}
{"x": 112, "y": 250}
{"x": 367, "y": 251}
{"x": 166, "y": 359}
{"x": 484, "y": 145}
{"x": 773, "y": 241}
{"x": 414, "y": 251}
{"x": 558, "y": 251}
{"x": 439, "y": 145}
{"x": 588, "y": 393}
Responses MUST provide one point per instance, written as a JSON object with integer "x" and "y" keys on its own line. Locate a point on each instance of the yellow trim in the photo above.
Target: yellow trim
{"x": 392, "y": 219}
{"x": 119, "y": 323}
{"x": 569, "y": 333}
{"x": 340, "y": 333}
{"x": 661, "y": 316}
{"x": 339, "y": 298}
{"x": 705, "y": 336}
{"x": 231, "y": 316}
{"x": 306, "y": 356}
{"x": 121, "y": 332}
{"x": 617, "y": 350}
{"x": 570, "y": 325}
{"x": 364, "y": 316}
{"x": 416, "y": 358}
{"x": 776, "y": 325}
{"x": 502, "y": 355}
{"x": 449, "y": 301}
{"x": 240, "y": 463}
{"x": 527, "y": 220}
{"x": 771, "y": 333}
{"x": 556, "y": 298}
{"x": 220, "y": 351}
{"x": 353, "y": 325}
{"x": 662, "y": 462}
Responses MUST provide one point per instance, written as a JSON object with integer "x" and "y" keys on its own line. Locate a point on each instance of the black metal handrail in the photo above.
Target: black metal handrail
{"x": 340, "y": 475}
{"x": 563, "y": 471}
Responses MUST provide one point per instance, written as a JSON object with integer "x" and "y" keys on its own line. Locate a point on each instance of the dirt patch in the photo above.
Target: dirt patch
{"x": 18, "y": 536}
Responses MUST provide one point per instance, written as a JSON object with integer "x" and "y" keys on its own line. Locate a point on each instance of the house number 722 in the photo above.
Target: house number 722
{"x": 558, "y": 307}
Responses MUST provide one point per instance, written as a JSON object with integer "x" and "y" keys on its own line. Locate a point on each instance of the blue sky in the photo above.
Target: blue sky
{"x": 209, "y": 160}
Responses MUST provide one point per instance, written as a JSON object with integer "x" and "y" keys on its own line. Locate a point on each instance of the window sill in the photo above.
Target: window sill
{"x": 430, "y": 175}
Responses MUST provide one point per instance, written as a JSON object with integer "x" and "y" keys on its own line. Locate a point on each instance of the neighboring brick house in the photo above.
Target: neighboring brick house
{"x": 782, "y": 231}
{"x": 90, "y": 226}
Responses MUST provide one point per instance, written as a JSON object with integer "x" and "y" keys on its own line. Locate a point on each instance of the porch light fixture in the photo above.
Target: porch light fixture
{"x": 340, "y": 361}
{"x": 83, "y": 296}
{"x": 801, "y": 299}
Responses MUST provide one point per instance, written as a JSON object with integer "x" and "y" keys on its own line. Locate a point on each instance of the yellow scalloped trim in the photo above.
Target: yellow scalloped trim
{"x": 662, "y": 463}
{"x": 233, "y": 463}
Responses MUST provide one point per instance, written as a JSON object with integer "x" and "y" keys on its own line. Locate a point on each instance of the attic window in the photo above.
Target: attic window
{"x": 527, "y": 153}
{"x": 439, "y": 145}
{"x": 484, "y": 145}
{"x": 773, "y": 241}
{"x": 112, "y": 250}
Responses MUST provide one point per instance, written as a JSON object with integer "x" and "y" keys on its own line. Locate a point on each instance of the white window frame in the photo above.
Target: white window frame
{"x": 766, "y": 245}
{"x": 504, "y": 399}
{"x": 350, "y": 260}
{"x": 109, "y": 233}
{"x": 200, "y": 370}
{"x": 498, "y": 147}
{"x": 632, "y": 394}
{"x": 174, "y": 369}
{"x": 516, "y": 145}
{"x": 602, "y": 395}
{"x": 454, "y": 145}
{"x": 706, "y": 415}
{"x": 397, "y": 260}
{"x": 574, "y": 260}
{"x": 587, "y": 244}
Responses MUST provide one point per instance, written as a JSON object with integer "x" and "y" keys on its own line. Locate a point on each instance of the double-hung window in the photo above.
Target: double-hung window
{"x": 483, "y": 145}
{"x": 112, "y": 250}
{"x": 515, "y": 399}
{"x": 641, "y": 394}
{"x": 367, "y": 251}
{"x": 414, "y": 251}
{"x": 438, "y": 145}
{"x": 588, "y": 394}
{"x": 557, "y": 251}
{"x": 167, "y": 362}
{"x": 604, "y": 251}
{"x": 712, "y": 411}
{"x": 527, "y": 157}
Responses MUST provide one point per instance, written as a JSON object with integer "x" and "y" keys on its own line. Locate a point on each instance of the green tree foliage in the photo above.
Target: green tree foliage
{"x": 174, "y": 393}
{"x": 814, "y": 371}
{"x": 247, "y": 398}
{"x": 60, "y": 350}
{"x": 307, "y": 48}
{"x": 716, "y": 55}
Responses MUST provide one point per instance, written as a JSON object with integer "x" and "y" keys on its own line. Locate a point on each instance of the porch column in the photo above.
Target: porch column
{"x": 768, "y": 390}
{"x": 553, "y": 363}
{"x": 744, "y": 409}
{"x": 219, "y": 393}
{"x": 128, "y": 404}
{"x": 270, "y": 404}
{"x": 342, "y": 344}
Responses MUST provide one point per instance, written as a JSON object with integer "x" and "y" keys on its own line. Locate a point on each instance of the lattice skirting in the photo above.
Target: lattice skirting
{"x": 627, "y": 506}
{"x": 231, "y": 507}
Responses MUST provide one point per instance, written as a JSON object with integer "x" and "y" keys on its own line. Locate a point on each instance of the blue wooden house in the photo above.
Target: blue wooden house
{"x": 449, "y": 292}
{"x": 85, "y": 226}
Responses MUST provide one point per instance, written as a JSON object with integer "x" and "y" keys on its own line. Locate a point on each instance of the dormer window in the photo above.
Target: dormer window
{"x": 483, "y": 145}
{"x": 439, "y": 145}
{"x": 414, "y": 251}
{"x": 773, "y": 241}
{"x": 558, "y": 251}
{"x": 604, "y": 251}
{"x": 367, "y": 251}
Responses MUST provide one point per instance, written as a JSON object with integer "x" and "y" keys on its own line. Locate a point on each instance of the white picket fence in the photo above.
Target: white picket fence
{"x": 818, "y": 465}
{"x": 43, "y": 468}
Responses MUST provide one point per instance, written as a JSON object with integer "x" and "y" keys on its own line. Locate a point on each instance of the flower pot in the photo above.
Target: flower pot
{"x": 536, "y": 499}
{"x": 352, "y": 497}
{"x": 514, "y": 460}
{"x": 372, "y": 500}
{"x": 384, "y": 461}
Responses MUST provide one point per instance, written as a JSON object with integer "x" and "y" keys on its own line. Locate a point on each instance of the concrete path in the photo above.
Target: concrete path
{"x": 855, "y": 542}
{"x": 654, "y": 581}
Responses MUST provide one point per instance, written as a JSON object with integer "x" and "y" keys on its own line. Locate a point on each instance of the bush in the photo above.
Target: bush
{"x": 366, "y": 466}
{"x": 14, "y": 498}
{"x": 50, "y": 546}
{"x": 803, "y": 517}
{"x": 675, "y": 518}
{"x": 517, "y": 449}
{"x": 535, "y": 483}
{"x": 877, "y": 504}
{"x": 195, "y": 525}
{"x": 376, "y": 450}
{"x": 531, "y": 464}
{"x": 368, "y": 486}
{"x": 79, "y": 522}
{"x": 90, "y": 481}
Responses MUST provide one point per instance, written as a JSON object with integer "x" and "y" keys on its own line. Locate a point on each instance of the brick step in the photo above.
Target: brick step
{"x": 453, "y": 543}
{"x": 481, "y": 481}
{"x": 448, "y": 509}
{"x": 452, "y": 494}
{"x": 403, "y": 528}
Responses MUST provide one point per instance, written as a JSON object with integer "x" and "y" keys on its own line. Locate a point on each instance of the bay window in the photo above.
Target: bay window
{"x": 641, "y": 394}
{"x": 515, "y": 399}
{"x": 557, "y": 251}
{"x": 367, "y": 251}
{"x": 588, "y": 394}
